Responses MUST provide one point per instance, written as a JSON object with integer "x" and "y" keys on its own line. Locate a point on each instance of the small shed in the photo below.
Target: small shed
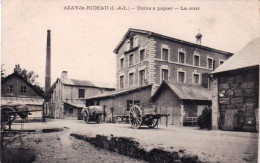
{"x": 236, "y": 90}
{"x": 72, "y": 108}
{"x": 182, "y": 102}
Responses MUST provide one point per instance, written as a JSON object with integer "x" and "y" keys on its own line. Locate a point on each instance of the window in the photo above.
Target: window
{"x": 196, "y": 78}
{"x": 181, "y": 57}
{"x": 131, "y": 43}
{"x": 130, "y": 103}
{"x": 23, "y": 89}
{"x": 196, "y": 60}
{"x": 142, "y": 53}
{"x": 121, "y": 82}
{"x": 210, "y": 63}
{"x": 122, "y": 63}
{"x": 131, "y": 79}
{"x": 131, "y": 59}
{"x": 221, "y": 62}
{"x": 181, "y": 77}
{"x": 165, "y": 74}
{"x": 165, "y": 54}
{"x": 81, "y": 93}
{"x": 70, "y": 111}
{"x": 142, "y": 77}
{"x": 9, "y": 88}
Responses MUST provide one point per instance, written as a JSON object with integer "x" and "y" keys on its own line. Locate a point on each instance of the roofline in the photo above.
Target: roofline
{"x": 237, "y": 69}
{"x": 87, "y": 86}
{"x": 157, "y": 90}
{"x": 119, "y": 93}
{"x": 169, "y": 38}
{"x": 27, "y": 82}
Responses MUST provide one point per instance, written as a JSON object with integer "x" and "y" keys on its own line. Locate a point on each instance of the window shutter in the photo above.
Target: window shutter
{"x": 136, "y": 41}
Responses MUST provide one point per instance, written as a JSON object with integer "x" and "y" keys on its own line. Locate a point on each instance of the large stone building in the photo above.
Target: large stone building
{"x": 145, "y": 59}
{"x": 15, "y": 90}
{"x": 235, "y": 101}
{"x": 65, "y": 97}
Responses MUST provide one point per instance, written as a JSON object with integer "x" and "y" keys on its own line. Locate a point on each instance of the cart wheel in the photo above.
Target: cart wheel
{"x": 86, "y": 116}
{"x": 135, "y": 116}
{"x": 8, "y": 115}
{"x": 153, "y": 123}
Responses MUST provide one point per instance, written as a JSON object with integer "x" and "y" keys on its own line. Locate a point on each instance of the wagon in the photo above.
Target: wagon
{"x": 92, "y": 113}
{"x": 145, "y": 115}
{"x": 11, "y": 111}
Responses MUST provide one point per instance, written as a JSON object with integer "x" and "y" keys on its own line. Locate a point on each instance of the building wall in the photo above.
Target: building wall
{"x": 62, "y": 92}
{"x": 238, "y": 90}
{"x": 168, "y": 103}
{"x": 153, "y": 64}
{"x": 17, "y": 83}
{"x": 119, "y": 103}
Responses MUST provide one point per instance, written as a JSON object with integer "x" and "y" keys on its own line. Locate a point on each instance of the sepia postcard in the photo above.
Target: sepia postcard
{"x": 130, "y": 81}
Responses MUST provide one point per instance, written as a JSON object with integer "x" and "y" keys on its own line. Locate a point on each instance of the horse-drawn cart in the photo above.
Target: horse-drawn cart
{"x": 92, "y": 113}
{"x": 144, "y": 115}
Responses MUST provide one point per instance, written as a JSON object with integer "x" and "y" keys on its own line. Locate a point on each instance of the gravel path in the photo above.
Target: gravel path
{"x": 61, "y": 147}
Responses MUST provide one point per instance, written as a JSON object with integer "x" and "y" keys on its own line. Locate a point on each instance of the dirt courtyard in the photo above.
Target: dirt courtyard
{"x": 209, "y": 146}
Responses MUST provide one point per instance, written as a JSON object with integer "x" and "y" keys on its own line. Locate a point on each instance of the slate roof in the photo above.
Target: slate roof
{"x": 248, "y": 56}
{"x": 84, "y": 83}
{"x": 117, "y": 92}
{"x": 19, "y": 100}
{"x": 76, "y": 102}
{"x": 187, "y": 91}
{"x": 149, "y": 33}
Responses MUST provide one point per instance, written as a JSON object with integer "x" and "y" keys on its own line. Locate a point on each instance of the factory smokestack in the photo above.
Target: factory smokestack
{"x": 48, "y": 62}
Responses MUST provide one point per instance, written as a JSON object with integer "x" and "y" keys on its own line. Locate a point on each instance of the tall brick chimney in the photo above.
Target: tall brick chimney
{"x": 48, "y": 62}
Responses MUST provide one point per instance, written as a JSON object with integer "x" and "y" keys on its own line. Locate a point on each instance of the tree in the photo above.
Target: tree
{"x": 29, "y": 76}
{"x": 2, "y": 72}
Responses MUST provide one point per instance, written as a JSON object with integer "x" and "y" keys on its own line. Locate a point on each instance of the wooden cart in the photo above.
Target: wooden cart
{"x": 92, "y": 113}
{"x": 143, "y": 115}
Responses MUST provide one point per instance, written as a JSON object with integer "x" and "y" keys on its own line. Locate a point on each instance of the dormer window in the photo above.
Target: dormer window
{"x": 132, "y": 43}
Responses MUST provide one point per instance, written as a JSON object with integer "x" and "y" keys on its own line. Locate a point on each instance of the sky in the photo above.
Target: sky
{"x": 82, "y": 41}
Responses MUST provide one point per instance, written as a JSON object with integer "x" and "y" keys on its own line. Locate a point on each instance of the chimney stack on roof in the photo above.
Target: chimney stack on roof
{"x": 48, "y": 62}
{"x": 64, "y": 75}
{"x": 198, "y": 37}
{"x": 17, "y": 69}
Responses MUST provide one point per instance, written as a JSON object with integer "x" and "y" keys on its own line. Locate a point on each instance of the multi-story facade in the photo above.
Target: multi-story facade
{"x": 144, "y": 58}
{"x": 65, "y": 97}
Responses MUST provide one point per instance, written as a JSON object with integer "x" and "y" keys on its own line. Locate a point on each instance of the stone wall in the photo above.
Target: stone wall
{"x": 239, "y": 90}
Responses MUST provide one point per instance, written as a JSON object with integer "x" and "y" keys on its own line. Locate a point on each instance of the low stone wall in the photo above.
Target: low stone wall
{"x": 130, "y": 147}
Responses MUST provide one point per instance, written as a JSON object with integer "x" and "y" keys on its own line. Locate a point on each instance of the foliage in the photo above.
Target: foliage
{"x": 30, "y": 76}
{"x": 2, "y": 72}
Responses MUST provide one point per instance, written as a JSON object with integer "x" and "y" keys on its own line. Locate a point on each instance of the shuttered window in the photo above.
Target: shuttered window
{"x": 142, "y": 77}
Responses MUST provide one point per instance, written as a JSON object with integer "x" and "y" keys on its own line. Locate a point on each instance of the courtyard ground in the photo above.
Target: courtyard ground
{"x": 209, "y": 146}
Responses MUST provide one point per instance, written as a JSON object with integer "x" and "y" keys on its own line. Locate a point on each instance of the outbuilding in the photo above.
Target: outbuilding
{"x": 182, "y": 102}
{"x": 236, "y": 90}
